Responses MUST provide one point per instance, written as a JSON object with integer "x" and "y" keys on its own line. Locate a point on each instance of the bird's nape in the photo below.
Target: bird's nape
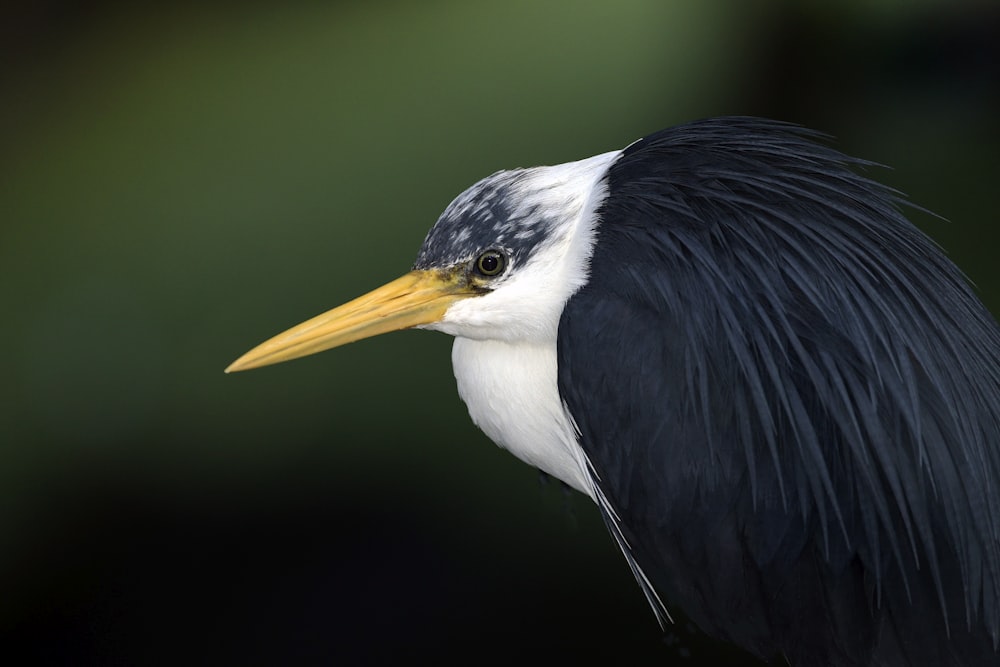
{"x": 782, "y": 396}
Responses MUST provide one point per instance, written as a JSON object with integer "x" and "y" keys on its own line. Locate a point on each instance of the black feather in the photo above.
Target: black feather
{"x": 795, "y": 408}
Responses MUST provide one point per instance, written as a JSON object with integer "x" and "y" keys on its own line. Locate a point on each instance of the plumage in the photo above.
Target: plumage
{"x": 809, "y": 460}
{"x": 782, "y": 396}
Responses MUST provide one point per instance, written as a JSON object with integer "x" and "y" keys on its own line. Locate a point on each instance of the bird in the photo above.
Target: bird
{"x": 782, "y": 397}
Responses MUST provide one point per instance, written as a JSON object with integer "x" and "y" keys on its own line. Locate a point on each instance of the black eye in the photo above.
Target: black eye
{"x": 490, "y": 263}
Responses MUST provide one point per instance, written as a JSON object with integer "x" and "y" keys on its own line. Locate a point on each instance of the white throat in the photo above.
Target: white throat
{"x": 512, "y": 395}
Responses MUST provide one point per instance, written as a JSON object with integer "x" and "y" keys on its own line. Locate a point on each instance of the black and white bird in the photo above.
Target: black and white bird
{"x": 783, "y": 398}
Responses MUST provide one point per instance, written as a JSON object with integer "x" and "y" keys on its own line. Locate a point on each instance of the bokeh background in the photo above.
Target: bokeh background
{"x": 179, "y": 182}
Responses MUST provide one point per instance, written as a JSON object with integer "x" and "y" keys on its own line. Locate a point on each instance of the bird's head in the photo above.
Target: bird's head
{"x": 500, "y": 263}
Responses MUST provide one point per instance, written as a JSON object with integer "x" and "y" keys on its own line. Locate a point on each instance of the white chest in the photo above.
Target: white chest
{"x": 512, "y": 395}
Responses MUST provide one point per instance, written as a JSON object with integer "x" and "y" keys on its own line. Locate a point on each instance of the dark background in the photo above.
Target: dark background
{"x": 179, "y": 183}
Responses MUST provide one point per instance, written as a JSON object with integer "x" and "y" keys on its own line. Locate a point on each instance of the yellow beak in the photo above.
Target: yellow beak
{"x": 419, "y": 297}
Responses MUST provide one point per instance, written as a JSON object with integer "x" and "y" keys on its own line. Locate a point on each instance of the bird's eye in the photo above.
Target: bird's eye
{"x": 490, "y": 263}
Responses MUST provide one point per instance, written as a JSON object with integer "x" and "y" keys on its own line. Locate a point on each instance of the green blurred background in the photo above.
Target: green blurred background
{"x": 178, "y": 183}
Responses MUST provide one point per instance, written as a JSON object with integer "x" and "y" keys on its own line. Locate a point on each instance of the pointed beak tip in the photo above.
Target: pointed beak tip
{"x": 243, "y": 364}
{"x": 415, "y": 299}
{"x": 233, "y": 367}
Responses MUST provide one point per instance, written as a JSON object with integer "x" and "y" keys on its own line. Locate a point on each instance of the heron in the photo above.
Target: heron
{"x": 783, "y": 398}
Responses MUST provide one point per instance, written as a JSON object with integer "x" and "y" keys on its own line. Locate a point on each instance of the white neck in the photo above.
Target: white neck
{"x": 511, "y": 392}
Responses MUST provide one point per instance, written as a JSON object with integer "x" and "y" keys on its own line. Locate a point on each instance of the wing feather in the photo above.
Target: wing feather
{"x": 790, "y": 398}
